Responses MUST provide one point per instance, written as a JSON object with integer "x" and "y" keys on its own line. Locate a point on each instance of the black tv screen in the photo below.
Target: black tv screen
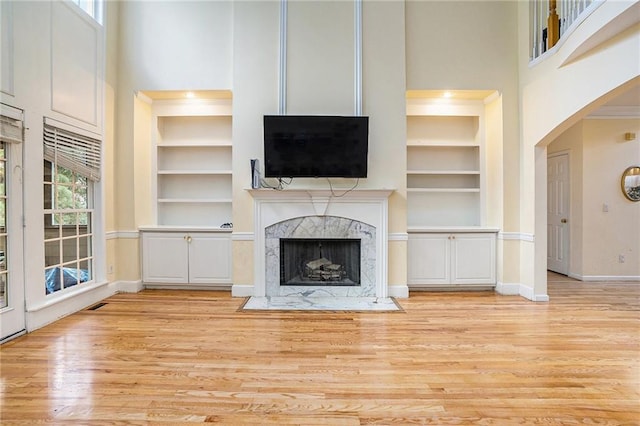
{"x": 315, "y": 146}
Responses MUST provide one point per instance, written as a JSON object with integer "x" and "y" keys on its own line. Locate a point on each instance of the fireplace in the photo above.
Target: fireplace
{"x": 320, "y": 261}
{"x": 319, "y": 214}
{"x": 305, "y": 234}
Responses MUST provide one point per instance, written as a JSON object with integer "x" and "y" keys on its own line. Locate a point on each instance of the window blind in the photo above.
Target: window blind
{"x": 72, "y": 151}
{"x": 10, "y": 130}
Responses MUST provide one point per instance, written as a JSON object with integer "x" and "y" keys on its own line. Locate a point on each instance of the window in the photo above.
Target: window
{"x": 3, "y": 227}
{"x": 71, "y": 166}
{"x": 10, "y": 134}
{"x": 92, "y": 7}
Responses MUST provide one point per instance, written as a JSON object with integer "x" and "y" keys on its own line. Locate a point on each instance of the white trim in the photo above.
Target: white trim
{"x": 131, "y": 235}
{"x": 54, "y": 308}
{"x": 58, "y": 307}
{"x": 448, "y": 229}
{"x": 242, "y": 290}
{"x": 11, "y": 112}
{"x": 144, "y": 98}
{"x": 56, "y": 298}
{"x": 282, "y": 64}
{"x": 492, "y": 97}
{"x": 398, "y": 236}
{"x": 527, "y": 293}
{"x": 242, "y": 236}
{"x": 368, "y": 205}
{"x": 399, "y": 291}
{"x": 191, "y": 107}
{"x": 73, "y": 129}
{"x": 129, "y": 286}
{"x": 508, "y": 289}
{"x": 612, "y": 112}
{"x": 521, "y": 236}
{"x": 357, "y": 5}
{"x": 605, "y": 278}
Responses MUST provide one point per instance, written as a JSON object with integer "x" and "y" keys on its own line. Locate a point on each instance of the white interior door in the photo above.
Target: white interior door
{"x": 12, "y": 293}
{"x": 558, "y": 213}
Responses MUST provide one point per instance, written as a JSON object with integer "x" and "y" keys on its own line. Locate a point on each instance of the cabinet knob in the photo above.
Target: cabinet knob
{"x": 187, "y": 238}
{"x": 563, "y": 220}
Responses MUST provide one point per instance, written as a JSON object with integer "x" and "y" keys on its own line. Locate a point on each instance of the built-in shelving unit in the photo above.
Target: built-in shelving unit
{"x": 449, "y": 243}
{"x": 444, "y": 173}
{"x": 191, "y": 191}
{"x": 193, "y": 163}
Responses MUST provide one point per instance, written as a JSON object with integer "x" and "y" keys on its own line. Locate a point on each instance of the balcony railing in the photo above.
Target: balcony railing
{"x": 553, "y": 20}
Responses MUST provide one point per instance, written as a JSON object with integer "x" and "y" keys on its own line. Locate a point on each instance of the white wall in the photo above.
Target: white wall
{"x": 556, "y": 92}
{"x": 598, "y": 155}
{"x": 236, "y": 46}
{"x": 473, "y": 45}
{"x": 162, "y": 45}
{"x": 608, "y": 235}
{"x": 53, "y": 67}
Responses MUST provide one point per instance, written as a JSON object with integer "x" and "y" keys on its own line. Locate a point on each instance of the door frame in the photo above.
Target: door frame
{"x": 14, "y": 314}
{"x": 567, "y": 234}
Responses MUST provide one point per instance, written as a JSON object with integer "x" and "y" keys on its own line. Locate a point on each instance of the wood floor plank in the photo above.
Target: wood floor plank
{"x": 186, "y": 357}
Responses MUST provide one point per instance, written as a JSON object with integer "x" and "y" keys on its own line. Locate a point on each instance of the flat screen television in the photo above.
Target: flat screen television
{"x": 315, "y": 146}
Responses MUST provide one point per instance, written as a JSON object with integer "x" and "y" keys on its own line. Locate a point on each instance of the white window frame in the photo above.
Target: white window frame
{"x": 93, "y": 8}
{"x": 81, "y": 155}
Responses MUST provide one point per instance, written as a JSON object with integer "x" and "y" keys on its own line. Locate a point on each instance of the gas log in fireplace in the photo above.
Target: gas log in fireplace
{"x": 320, "y": 262}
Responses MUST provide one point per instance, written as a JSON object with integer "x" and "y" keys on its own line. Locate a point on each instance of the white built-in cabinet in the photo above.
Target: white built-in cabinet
{"x": 186, "y": 257}
{"x": 452, "y": 258}
{"x": 190, "y": 243}
{"x": 449, "y": 243}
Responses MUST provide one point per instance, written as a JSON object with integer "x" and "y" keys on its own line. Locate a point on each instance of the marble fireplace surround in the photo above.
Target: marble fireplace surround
{"x": 293, "y": 213}
{"x": 321, "y": 227}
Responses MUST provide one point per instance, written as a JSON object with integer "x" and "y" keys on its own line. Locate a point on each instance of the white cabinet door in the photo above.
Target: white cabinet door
{"x": 165, "y": 258}
{"x": 473, "y": 259}
{"x": 429, "y": 259}
{"x": 437, "y": 259}
{"x": 209, "y": 259}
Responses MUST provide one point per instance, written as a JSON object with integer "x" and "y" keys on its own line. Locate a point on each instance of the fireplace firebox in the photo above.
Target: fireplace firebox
{"x": 319, "y": 262}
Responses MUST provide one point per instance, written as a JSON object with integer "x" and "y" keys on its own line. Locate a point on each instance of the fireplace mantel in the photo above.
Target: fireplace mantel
{"x": 364, "y": 205}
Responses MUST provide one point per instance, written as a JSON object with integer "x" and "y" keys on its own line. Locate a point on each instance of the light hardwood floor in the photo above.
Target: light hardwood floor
{"x": 179, "y": 357}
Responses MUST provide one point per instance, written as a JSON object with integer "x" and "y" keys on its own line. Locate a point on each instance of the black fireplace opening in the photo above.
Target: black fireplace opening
{"x": 320, "y": 261}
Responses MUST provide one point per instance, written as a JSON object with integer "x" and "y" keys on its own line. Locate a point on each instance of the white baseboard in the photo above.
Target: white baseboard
{"x": 242, "y": 290}
{"x": 129, "y": 286}
{"x": 399, "y": 291}
{"x": 592, "y": 278}
{"x": 508, "y": 289}
{"x": 527, "y": 293}
{"x": 52, "y": 310}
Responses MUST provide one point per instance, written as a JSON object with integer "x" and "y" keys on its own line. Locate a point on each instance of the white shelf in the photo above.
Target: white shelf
{"x": 443, "y": 172}
{"x": 212, "y": 144}
{"x": 195, "y": 172}
{"x": 420, "y": 143}
{"x": 194, "y": 200}
{"x": 193, "y": 155}
{"x": 444, "y": 165}
{"x": 419, "y": 190}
